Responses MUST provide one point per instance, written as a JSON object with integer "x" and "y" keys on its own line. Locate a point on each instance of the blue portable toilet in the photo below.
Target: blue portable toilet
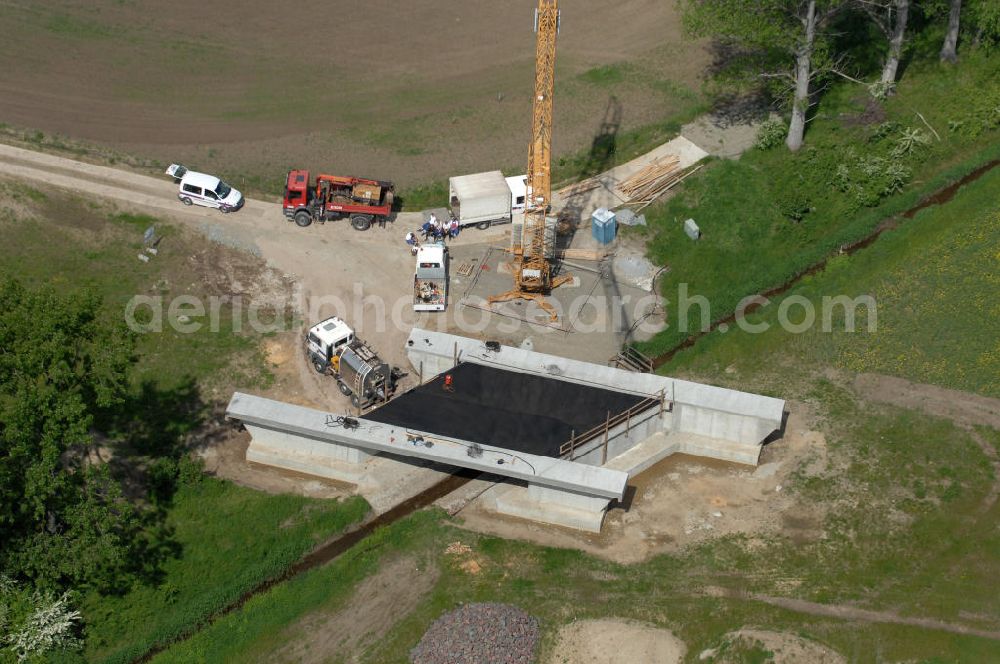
{"x": 603, "y": 225}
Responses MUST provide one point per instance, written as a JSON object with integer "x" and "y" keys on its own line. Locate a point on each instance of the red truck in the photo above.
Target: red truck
{"x": 335, "y": 197}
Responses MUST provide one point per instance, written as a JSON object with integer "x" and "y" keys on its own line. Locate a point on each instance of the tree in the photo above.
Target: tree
{"x": 781, "y": 40}
{"x": 985, "y": 19}
{"x": 63, "y": 518}
{"x": 949, "y": 52}
{"x": 35, "y": 623}
{"x": 891, "y": 17}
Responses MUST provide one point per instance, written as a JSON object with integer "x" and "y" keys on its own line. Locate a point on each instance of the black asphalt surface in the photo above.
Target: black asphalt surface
{"x": 492, "y": 406}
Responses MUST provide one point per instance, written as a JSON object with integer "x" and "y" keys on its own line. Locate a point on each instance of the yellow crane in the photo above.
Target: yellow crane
{"x": 532, "y": 272}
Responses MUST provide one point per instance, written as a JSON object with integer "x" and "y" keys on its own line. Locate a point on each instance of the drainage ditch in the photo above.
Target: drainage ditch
{"x": 329, "y": 551}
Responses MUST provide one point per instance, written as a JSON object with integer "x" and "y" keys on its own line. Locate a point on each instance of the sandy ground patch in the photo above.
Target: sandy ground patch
{"x": 721, "y": 139}
{"x": 610, "y": 641}
{"x": 378, "y": 603}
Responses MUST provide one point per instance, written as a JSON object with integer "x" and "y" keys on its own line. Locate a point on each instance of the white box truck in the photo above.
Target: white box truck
{"x": 486, "y": 199}
{"x": 430, "y": 279}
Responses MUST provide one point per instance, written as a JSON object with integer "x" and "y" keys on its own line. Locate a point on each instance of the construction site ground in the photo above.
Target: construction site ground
{"x": 364, "y": 276}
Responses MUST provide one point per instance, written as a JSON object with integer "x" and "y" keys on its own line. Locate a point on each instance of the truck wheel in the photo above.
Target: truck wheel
{"x": 320, "y": 367}
{"x": 361, "y": 222}
{"x": 483, "y": 225}
{"x": 187, "y": 201}
{"x": 355, "y": 401}
{"x": 344, "y": 389}
{"x": 303, "y": 218}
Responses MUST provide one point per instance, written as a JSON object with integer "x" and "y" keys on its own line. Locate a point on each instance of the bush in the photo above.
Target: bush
{"x": 870, "y": 178}
{"x": 771, "y": 134}
{"x": 794, "y": 204}
{"x": 190, "y": 470}
{"x": 35, "y": 623}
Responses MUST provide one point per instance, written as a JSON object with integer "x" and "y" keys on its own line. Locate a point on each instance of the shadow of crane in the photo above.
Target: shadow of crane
{"x": 599, "y": 158}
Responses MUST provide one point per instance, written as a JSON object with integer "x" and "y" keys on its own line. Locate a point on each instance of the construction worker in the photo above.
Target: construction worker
{"x": 453, "y": 228}
{"x": 413, "y": 242}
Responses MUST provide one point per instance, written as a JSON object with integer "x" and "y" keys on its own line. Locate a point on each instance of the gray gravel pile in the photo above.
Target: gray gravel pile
{"x": 489, "y": 633}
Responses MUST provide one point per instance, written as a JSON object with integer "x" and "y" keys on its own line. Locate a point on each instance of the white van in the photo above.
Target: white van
{"x": 207, "y": 190}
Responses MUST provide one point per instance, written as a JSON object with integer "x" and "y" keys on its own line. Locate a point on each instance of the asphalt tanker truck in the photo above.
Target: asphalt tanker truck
{"x": 334, "y": 350}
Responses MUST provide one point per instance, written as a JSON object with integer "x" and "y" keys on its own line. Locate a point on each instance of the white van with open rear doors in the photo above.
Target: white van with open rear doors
{"x": 207, "y": 190}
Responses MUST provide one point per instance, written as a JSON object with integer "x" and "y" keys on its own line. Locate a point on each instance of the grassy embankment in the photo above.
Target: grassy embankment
{"x": 772, "y": 214}
{"x": 903, "y": 525}
{"x": 208, "y": 540}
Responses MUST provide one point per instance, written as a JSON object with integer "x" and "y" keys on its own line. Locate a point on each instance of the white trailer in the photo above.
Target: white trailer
{"x": 485, "y": 199}
{"x": 430, "y": 279}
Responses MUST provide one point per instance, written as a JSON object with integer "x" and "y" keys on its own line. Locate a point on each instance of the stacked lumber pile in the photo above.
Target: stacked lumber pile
{"x": 652, "y": 181}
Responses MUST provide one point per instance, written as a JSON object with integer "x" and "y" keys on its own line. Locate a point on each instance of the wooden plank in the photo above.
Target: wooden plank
{"x": 580, "y": 187}
{"x": 582, "y": 254}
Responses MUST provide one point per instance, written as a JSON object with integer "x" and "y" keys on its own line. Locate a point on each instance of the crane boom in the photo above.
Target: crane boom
{"x": 533, "y": 272}
{"x": 540, "y": 149}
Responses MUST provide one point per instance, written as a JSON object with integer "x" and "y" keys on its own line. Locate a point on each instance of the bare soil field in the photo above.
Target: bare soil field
{"x": 403, "y": 91}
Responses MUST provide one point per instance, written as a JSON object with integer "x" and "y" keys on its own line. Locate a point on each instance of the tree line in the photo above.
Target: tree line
{"x": 72, "y": 518}
{"x": 788, "y": 46}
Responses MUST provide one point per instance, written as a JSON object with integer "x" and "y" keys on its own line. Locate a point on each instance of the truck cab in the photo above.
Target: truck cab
{"x": 325, "y": 342}
{"x": 297, "y": 192}
{"x": 518, "y": 186}
{"x": 430, "y": 279}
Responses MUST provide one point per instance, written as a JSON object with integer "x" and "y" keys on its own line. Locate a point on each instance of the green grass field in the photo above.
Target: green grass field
{"x": 68, "y": 242}
{"x": 934, "y": 280}
{"x": 772, "y": 214}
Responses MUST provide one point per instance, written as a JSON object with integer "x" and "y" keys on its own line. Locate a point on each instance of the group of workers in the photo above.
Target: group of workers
{"x": 433, "y": 228}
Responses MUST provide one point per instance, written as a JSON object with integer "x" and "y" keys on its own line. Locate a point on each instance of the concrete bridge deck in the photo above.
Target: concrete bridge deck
{"x": 317, "y": 435}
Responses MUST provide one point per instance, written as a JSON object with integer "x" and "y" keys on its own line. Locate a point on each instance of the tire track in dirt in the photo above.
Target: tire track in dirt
{"x": 853, "y": 613}
{"x": 867, "y": 615}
